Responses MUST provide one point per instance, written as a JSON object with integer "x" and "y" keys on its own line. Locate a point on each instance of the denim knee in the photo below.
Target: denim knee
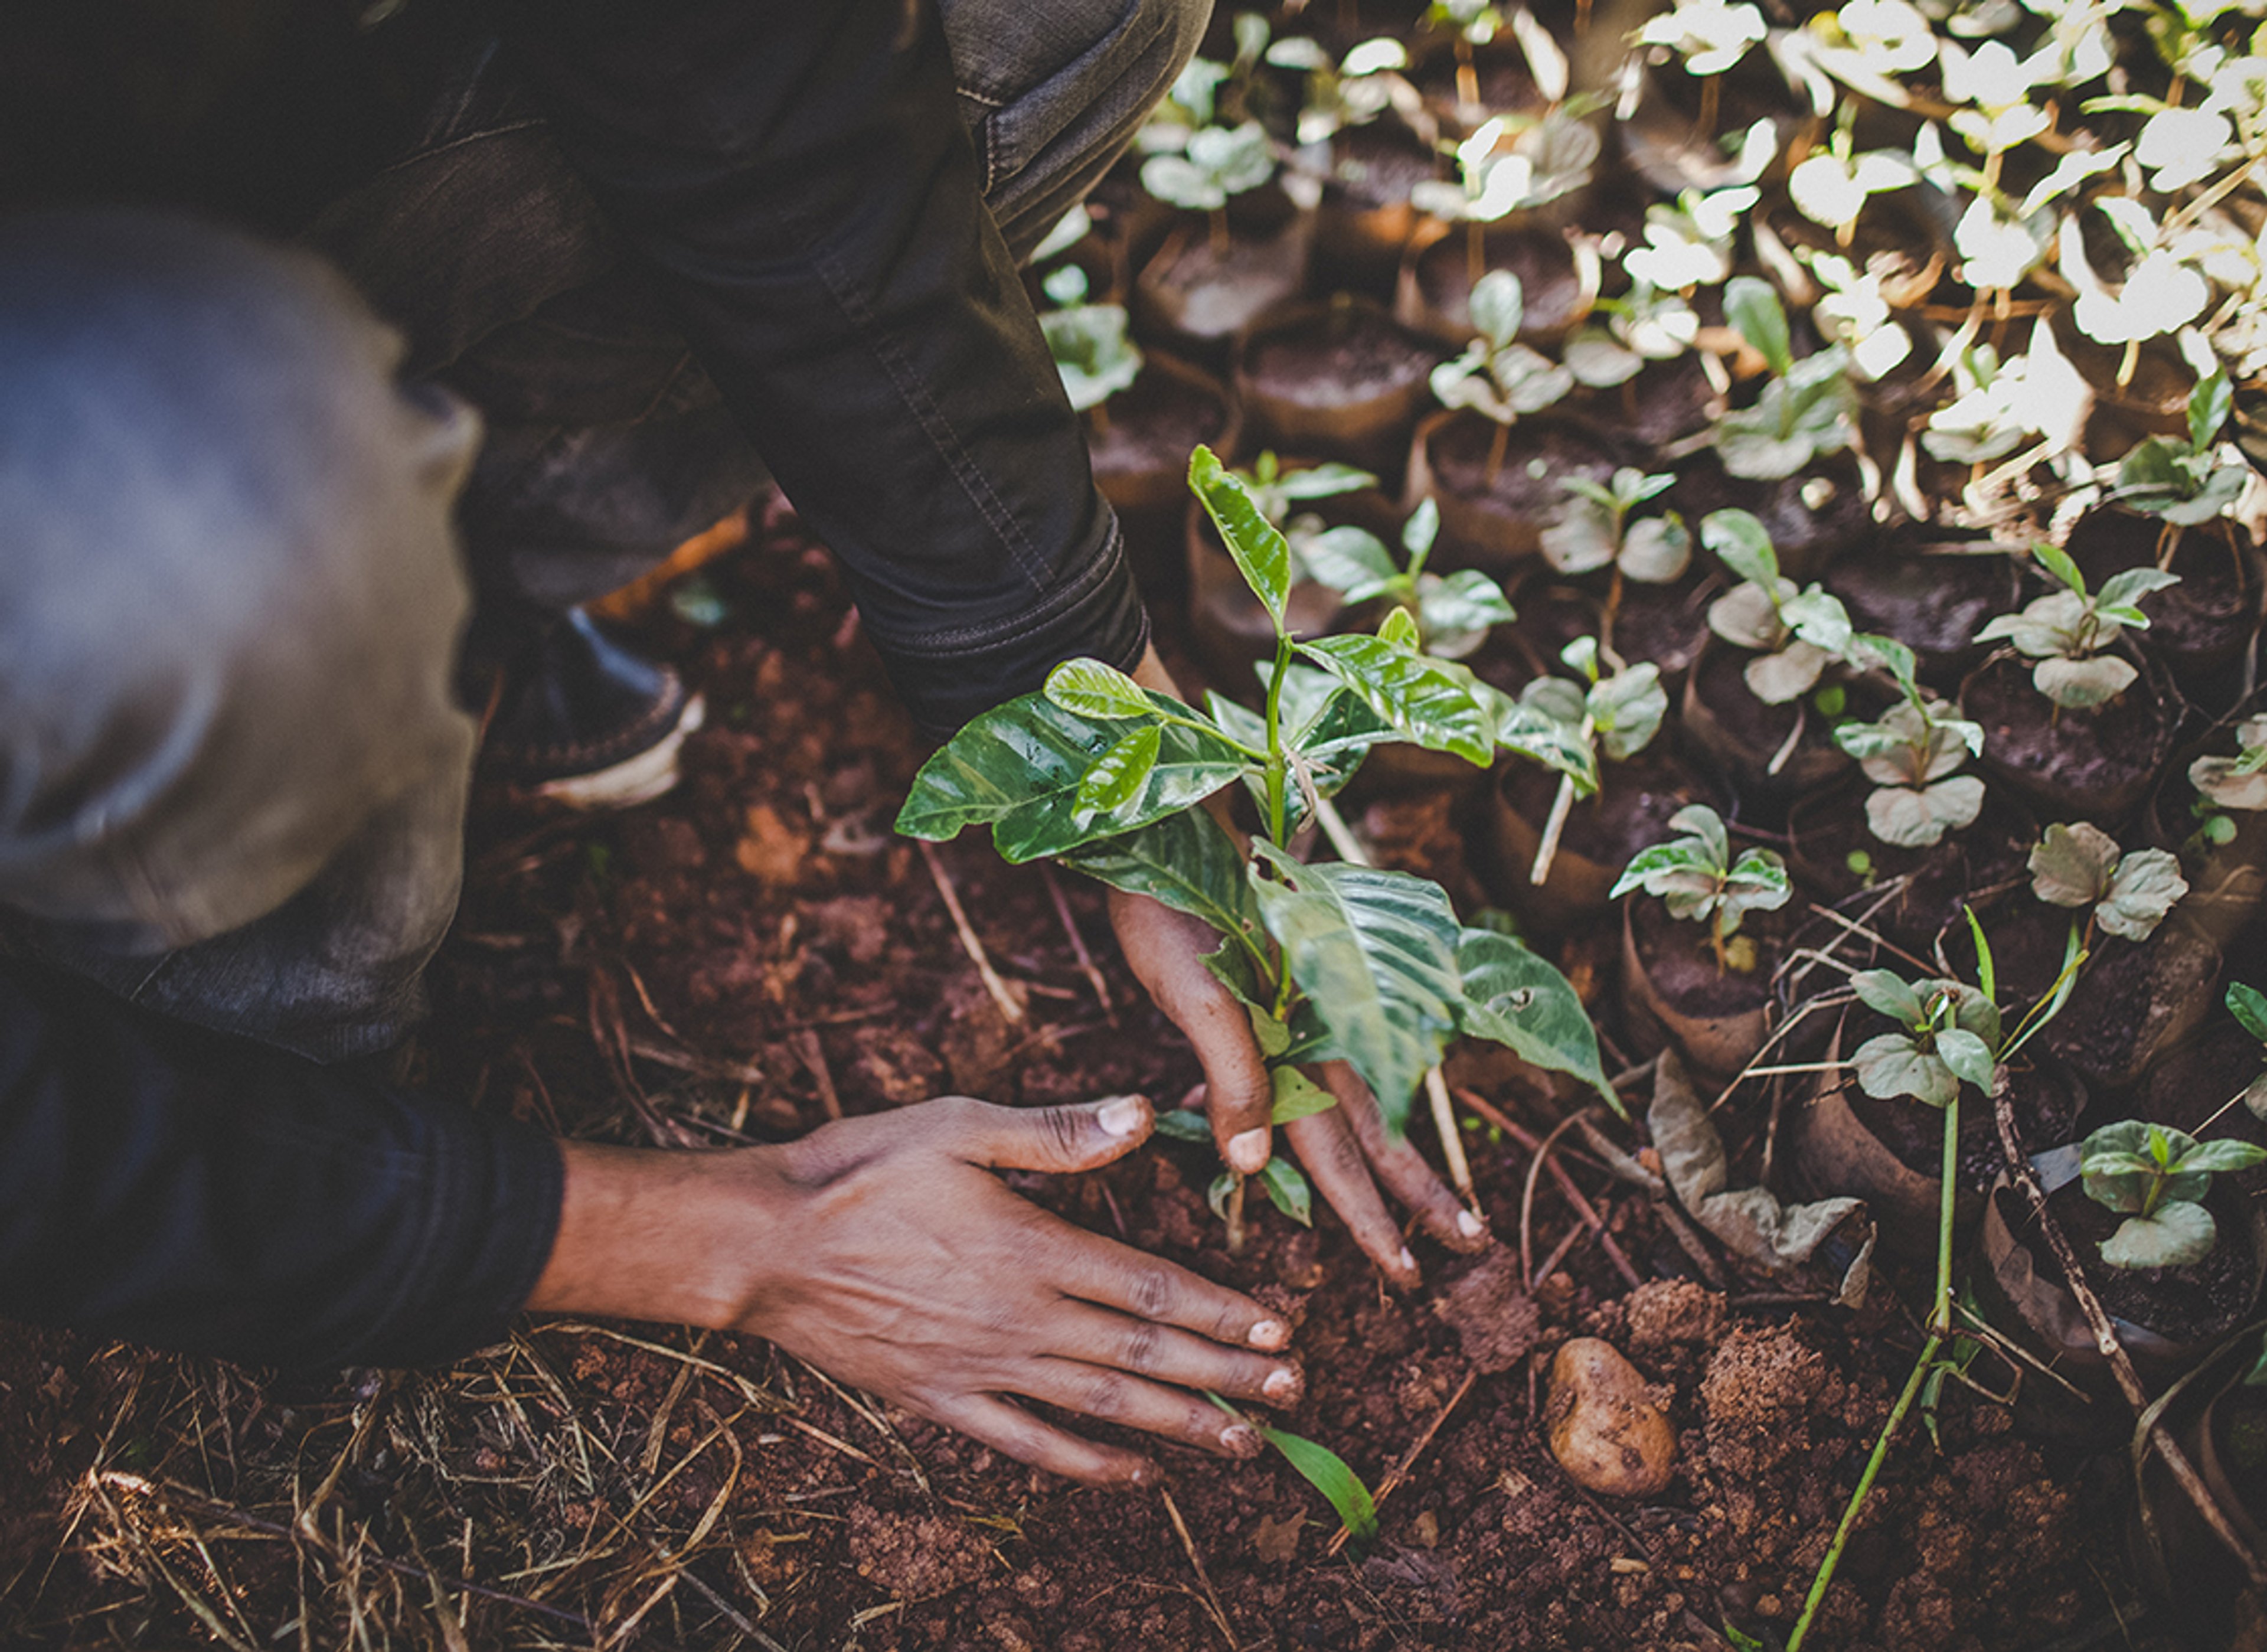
{"x": 230, "y": 598}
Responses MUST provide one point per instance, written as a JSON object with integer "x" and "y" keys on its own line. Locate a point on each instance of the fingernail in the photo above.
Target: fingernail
{"x": 1122, "y": 1115}
{"x": 1468, "y": 1225}
{"x": 1281, "y": 1383}
{"x": 1240, "y": 1439}
{"x": 1247, "y": 1153}
{"x": 1268, "y": 1333}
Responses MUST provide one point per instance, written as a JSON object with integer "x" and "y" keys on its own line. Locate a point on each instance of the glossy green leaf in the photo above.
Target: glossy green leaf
{"x": 2221, "y": 1155}
{"x": 1429, "y": 706}
{"x": 2249, "y": 1006}
{"x": 1351, "y": 561}
{"x": 1258, "y": 548}
{"x": 2057, "y": 562}
{"x": 1887, "y": 992}
{"x": 1375, "y": 954}
{"x": 1184, "y": 861}
{"x": 1327, "y": 1473}
{"x": 1288, "y": 1190}
{"x": 1399, "y": 627}
{"x": 1018, "y": 768}
{"x": 1118, "y": 773}
{"x": 1742, "y": 544}
{"x": 1516, "y": 998}
{"x": 1296, "y": 1095}
{"x": 1089, "y": 688}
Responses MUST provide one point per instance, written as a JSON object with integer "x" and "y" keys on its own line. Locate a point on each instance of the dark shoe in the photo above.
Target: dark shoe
{"x": 583, "y": 720}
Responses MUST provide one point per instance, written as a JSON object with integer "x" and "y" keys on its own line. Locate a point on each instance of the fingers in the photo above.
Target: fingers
{"x": 1142, "y": 1347}
{"x": 1096, "y": 1270}
{"x": 1023, "y": 1436}
{"x": 1056, "y": 1139}
{"x": 1133, "y": 1402}
{"x": 1401, "y": 1166}
{"x": 1326, "y": 1145}
{"x": 1166, "y": 951}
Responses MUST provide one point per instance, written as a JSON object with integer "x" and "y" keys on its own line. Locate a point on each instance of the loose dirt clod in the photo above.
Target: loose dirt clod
{"x": 1495, "y": 1320}
{"x": 1605, "y": 1431}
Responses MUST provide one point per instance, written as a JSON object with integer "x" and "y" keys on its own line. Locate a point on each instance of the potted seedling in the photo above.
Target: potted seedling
{"x": 1453, "y": 612}
{"x": 1337, "y": 376}
{"x": 1205, "y": 287}
{"x": 1639, "y": 344}
{"x": 2217, "y": 1081}
{"x": 1710, "y": 1002}
{"x": 1332, "y": 960}
{"x": 2213, "y": 814}
{"x": 1566, "y": 823}
{"x": 1366, "y": 121}
{"x": 1232, "y": 627}
{"x": 1806, "y": 410}
{"x": 1912, "y": 754}
{"x": 1932, "y": 592}
{"x": 2102, "y": 719}
{"x": 1602, "y": 526}
{"x": 1494, "y": 500}
{"x": 1761, "y": 713}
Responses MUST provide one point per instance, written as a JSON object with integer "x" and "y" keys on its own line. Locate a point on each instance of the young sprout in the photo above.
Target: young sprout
{"x": 2066, "y": 630}
{"x": 2128, "y": 894}
{"x": 1795, "y": 633}
{"x": 1218, "y": 163}
{"x": 2157, "y": 1177}
{"x": 1453, "y": 610}
{"x": 1711, "y": 37}
{"x": 1854, "y": 314}
{"x": 1595, "y": 529}
{"x": 1910, "y": 754}
{"x": 2237, "y": 783}
{"x": 1996, "y": 404}
{"x": 1277, "y": 492}
{"x": 1689, "y": 244}
{"x": 1642, "y": 326}
{"x": 2161, "y": 293}
{"x": 1807, "y": 408}
{"x": 2185, "y": 482}
{"x": 1087, "y": 341}
{"x": 1497, "y": 376}
{"x": 1474, "y": 23}
{"x": 1698, "y": 880}
{"x": 1831, "y": 185}
{"x": 1568, "y": 727}
{"x": 2249, "y": 1006}
{"x": 1352, "y": 92}
{"x": 1548, "y": 158}
{"x": 1947, "y": 1031}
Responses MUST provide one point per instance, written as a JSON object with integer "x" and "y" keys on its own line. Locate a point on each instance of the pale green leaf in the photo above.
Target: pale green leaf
{"x": 1426, "y": 703}
{"x": 1118, "y": 773}
{"x": 1516, "y": 998}
{"x": 1256, "y": 545}
{"x": 1089, "y": 688}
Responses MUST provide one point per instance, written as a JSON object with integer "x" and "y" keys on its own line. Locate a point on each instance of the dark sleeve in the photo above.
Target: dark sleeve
{"x": 175, "y": 1186}
{"x": 799, "y": 176}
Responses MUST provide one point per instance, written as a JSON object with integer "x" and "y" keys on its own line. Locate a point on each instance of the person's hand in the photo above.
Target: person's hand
{"x": 883, "y": 1251}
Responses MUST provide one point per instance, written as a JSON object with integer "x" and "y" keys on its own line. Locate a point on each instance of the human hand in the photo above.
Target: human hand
{"x": 1346, "y": 1150}
{"x": 883, "y": 1250}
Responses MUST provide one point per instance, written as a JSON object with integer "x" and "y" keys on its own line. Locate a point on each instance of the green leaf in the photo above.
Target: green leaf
{"x": 1184, "y": 861}
{"x": 2249, "y": 1006}
{"x": 1894, "y": 1064}
{"x": 1967, "y": 1055}
{"x": 2072, "y": 864}
{"x": 1498, "y": 305}
{"x": 1089, "y": 688}
{"x": 1323, "y": 482}
{"x": 2057, "y": 562}
{"x": 1887, "y": 993}
{"x": 1426, "y": 704}
{"x": 1516, "y": 998}
{"x": 1296, "y": 1095}
{"x": 2220, "y": 1157}
{"x": 2208, "y": 406}
{"x": 1288, "y": 1190}
{"x": 1182, "y": 1124}
{"x": 2179, "y": 1235}
{"x": 1375, "y": 954}
{"x": 1350, "y": 559}
{"x": 1399, "y": 627}
{"x": 1259, "y": 550}
{"x": 1327, "y": 1473}
{"x": 1742, "y": 544}
{"x": 1118, "y": 773}
{"x": 1753, "y": 307}
{"x": 1018, "y": 767}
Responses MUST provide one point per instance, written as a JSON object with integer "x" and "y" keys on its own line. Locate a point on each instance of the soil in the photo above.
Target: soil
{"x": 2196, "y": 1080}
{"x": 1538, "y": 257}
{"x": 1205, "y": 293}
{"x": 2098, "y": 762}
{"x": 2189, "y": 1304}
{"x": 1532, "y": 484}
{"x": 1811, "y": 517}
{"x": 1663, "y": 402}
{"x": 1933, "y": 602}
{"x": 2132, "y": 1001}
{"x": 1376, "y": 165}
{"x": 1329, "y": 365}
{"x": 1682, "y": 967}
{"x": 1154, "y": 423}
{"x": 2046, "y": 1107}
{"x": 1751, "y": 732}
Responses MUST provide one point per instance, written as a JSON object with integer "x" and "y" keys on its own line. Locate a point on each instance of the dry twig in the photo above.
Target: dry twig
{"x": 1008, "y": 1007}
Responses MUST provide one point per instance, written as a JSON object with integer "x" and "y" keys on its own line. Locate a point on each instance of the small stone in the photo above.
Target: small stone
{"x": 1605, "y": 1431}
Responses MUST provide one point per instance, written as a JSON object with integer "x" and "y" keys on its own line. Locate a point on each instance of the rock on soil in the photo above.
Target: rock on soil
{"x": 1603, "y": 1424}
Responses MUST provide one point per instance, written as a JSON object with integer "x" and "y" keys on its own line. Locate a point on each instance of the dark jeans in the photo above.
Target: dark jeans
{"x": 231, "y": 775}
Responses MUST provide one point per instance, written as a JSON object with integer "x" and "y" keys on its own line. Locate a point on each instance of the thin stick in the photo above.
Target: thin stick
{"x": 813, "y": 1055}
{"x": 1541, "y": 1153}
{"x": 1086, "y": 962}
{"x": 973, "y": 947}
{"x": 1196, "y": 1561}
{"x": 1580, "y": 1206}
{"x": 1399, "y": 1471}
{"x": 2105, "y": 1339}
{"x": 1452, "y": 1142}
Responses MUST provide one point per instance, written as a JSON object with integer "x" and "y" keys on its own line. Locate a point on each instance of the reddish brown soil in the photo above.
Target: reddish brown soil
{"x": 756, "y": 949}
{"x": 1326, "y": 366}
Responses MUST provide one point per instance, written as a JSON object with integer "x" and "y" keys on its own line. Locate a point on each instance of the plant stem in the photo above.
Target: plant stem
{"x": 1475, "y": 255}
{"x": 1217, "y": 230}
{"x": 1940, "y": 1327}
{"x": 1496, "y": 449}
{"x": 1278, "y": 807}
{"x": 1547, "y": 851}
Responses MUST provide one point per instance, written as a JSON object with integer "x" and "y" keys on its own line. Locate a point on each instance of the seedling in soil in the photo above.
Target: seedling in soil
{"x": 1831, "y": 186}
{"x": 1598, "y": 528}
{"x": 2066, "y": 630}
{"x": 2127, "y": 894}
{"x": 1354, "y": 91}
{"x": 1642, "y": 326}
{"x": 1474, "y": 23}
{"x": 1276, "y": 492}
{"x": 1711, "y": 37}
{"x": 1795, "y": 633}
{"x": 1689, "y": 244}
{"x": 1321, "y": 1468}
{"x": 2237, "y": 783}
{"x": 1547, "y": 158}
{"x": 1911, "y": 755}
{"x": 1087, "y": 341}
{"x": 1497, "y": 374}
{"x": 1220, "y": 162}
{"x": 1569, "y": 726}
{"x": 1453, "y": 610}
{"x": 2184, "y": 483}
{"x": 1699, "y": 880}
{"x": 2157, "y": 1177}
{"x": 1947, "y": 1031}
{"x": 1331, "y": 961}
{"x": 1807, "y": 408}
